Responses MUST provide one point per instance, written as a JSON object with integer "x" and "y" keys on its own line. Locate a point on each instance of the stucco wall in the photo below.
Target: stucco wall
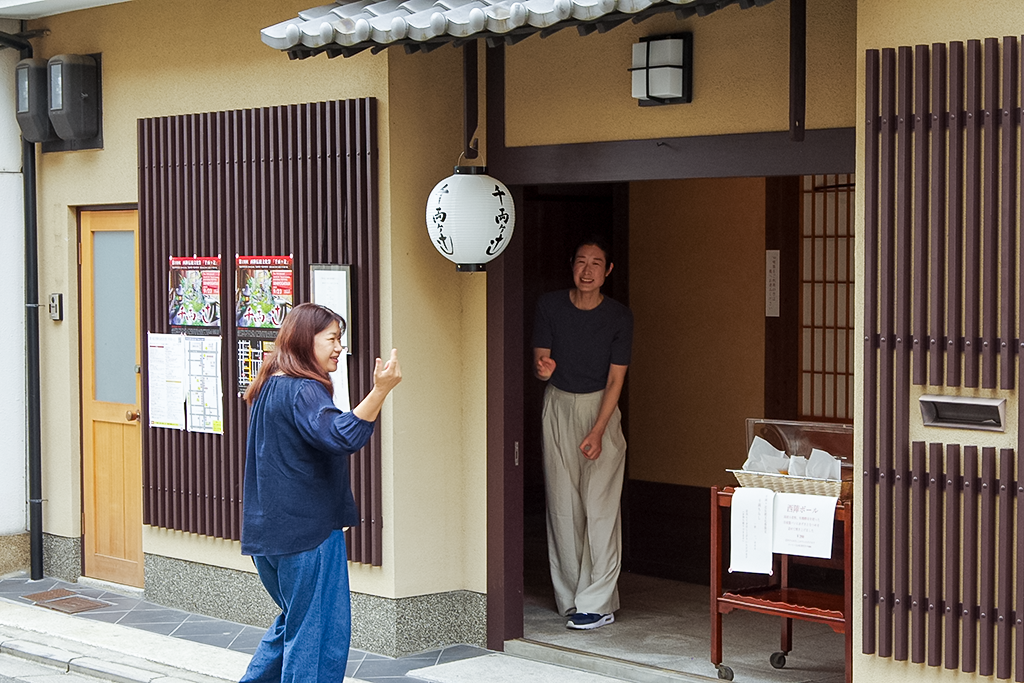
{"x": 883, "y": 24}
{"x": 698, "y": 360}
{"x": 567, "y": 88}
{"x": 162, "y": 59}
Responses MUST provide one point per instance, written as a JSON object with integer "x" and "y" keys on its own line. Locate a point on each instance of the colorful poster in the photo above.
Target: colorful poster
{"x": 263, "y": 292}
{"x": 263, "y": 288}
{"x": 251, "y": 353}
{"x": 194, "y": 294}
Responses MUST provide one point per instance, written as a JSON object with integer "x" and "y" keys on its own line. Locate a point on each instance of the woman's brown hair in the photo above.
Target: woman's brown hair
{"x": 293, "y": 348}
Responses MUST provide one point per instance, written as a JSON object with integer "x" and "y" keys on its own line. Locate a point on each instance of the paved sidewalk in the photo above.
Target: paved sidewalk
{"x": 131, "y": 641}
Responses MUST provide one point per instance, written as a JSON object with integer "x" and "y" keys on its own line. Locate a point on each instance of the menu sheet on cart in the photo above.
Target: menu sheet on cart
{"x": 185, "y": 383}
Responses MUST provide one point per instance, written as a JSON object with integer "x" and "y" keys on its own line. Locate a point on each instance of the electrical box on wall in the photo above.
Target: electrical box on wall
{"x": 75, "y": 102}
{"x": 32, "y": 101}
{"x": 74, "y": 96}
{"x": 56, "y": 306}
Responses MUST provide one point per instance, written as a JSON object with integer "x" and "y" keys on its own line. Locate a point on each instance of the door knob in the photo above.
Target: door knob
{"x": 132, "y": 416}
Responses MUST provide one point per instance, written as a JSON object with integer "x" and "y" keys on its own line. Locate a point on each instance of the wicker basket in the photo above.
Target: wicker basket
{"x": 788, "y": 483}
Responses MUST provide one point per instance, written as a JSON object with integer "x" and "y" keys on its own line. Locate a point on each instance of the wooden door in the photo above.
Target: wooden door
{"x": 111, "y": 396}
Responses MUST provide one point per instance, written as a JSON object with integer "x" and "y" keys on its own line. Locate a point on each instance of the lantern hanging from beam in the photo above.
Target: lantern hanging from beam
{"x": 470, "y": 217}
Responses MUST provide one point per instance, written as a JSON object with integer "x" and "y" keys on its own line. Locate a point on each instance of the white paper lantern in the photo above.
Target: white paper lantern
{"x": 470, "y": 217}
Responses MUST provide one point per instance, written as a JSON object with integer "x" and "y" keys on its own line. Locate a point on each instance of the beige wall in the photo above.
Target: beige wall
{"x": 565, "y": 88}
{"x": 880, "y": 24}
{"x": 162, "y": 59}
{"x": 436, "y": 478}
{"x": 696, "y": 287}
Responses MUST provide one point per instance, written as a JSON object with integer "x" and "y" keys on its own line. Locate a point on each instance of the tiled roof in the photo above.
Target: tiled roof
{"x": 351, "y": 26}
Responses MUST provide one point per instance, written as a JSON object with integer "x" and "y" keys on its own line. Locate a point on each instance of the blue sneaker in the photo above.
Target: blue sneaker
{"x": 585, "y": 621}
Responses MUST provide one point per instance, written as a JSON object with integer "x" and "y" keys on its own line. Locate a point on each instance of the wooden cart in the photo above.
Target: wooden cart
{"x": 779, "y": 599}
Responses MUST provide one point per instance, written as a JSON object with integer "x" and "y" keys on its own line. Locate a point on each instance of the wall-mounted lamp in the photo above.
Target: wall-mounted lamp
{"x": 32, "y": 109}
{"x": 663, "y": 69}
{"x": 470, "y": 218}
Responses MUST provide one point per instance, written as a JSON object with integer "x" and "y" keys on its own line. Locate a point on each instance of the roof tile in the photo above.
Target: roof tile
{"x": 346, "y": 27}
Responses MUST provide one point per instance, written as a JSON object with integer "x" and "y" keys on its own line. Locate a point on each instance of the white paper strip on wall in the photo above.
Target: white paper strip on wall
{"x": 771, "y": 283}
{"x": 339, "y": 378}
{"x": 803, "y": 524}
{"x": 166, "y": 371}
{"x": 751, "y": 530}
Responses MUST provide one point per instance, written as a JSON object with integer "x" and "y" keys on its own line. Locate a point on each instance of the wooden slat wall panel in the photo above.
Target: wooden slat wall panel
{"x": 937, "y": 184}
{"x": 903, "y": 296}
{"x": 920, "y": 121}
{"x": 1004, "y": 589}
{"x": 296, "y": 179}
{"x": 972, "y": 223}
{"x": 943, "y": 544}
{"x": 933, "y": 588}
{"x": 1008, "y": 216}
{"x": 918, "y": 586}
{"x": 951, "y": 611}
{"x": 969, "y": 563}
{"x": 869, "y": 479}
{"x": 954, "y": 260}
{"x": 886, "y": 366}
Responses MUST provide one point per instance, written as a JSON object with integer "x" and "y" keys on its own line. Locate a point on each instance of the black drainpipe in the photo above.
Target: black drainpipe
{"x": 35, "y": 478}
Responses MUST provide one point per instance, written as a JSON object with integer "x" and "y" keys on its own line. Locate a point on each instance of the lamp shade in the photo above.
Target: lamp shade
{"x": 662, "y": 71}
{"x": 470, "y": 217}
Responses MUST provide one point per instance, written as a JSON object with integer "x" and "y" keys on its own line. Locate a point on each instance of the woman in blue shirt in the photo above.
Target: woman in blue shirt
{"x": 297, "y": 498}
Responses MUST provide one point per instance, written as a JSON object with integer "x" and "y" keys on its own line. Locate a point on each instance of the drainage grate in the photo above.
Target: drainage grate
{"x": 65, "y": 601}
{"x": 74, "y": 605}
{"x": 49, "y": 595}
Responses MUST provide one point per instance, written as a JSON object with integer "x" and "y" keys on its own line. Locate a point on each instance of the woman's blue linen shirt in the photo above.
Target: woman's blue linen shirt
{"x": 297, "y": 489}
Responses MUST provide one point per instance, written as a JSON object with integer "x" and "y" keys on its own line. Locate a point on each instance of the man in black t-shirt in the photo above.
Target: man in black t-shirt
{"x": 582, "y": 346}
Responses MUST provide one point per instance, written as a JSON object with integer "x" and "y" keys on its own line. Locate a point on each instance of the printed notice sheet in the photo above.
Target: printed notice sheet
{"x": 803, "y": 524}
{"x": 166, "y": 380}
{"x": 751, "y": 529}
{"x": 205, "y": 411}
{"x": 331, "y": 288}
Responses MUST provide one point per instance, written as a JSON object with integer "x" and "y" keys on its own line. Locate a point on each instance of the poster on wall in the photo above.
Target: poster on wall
{"x": 194, "y": 294}
{"x": 263, "y": 296}
{"x": 250, "y": 357}
{"x": 205, "y": 405}
{"x": 166, "y": 374}
{"x": 331, "y": 287}
{"x": 185, "y": 382}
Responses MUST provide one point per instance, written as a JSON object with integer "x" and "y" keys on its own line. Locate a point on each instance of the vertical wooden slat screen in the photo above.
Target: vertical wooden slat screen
{"x": 943, "y": 524}
{"x": 869, "y": 477}
{"x": 296, "y": 179}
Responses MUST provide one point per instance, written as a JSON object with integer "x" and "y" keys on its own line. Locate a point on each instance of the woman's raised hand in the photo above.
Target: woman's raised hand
{"x": 387, "y": 375}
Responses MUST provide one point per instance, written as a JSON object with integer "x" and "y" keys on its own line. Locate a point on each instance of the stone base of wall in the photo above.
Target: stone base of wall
{"x": 205, "y": 589}
{"x": 405, "y": 626}
{"x": 62, "y": 557}
{"x": 15, "y": 553}
{"x": 386, "y": 626}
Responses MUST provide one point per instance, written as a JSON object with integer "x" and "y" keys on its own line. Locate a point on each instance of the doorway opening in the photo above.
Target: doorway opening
{"x": 690, "y": 262}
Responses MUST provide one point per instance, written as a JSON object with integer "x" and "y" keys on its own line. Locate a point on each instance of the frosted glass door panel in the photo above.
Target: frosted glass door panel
{"x": 114, "y": 315}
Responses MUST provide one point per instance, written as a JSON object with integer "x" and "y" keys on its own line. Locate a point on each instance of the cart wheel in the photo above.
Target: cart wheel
{"x": 778, "y": 660}
{"x": 724, "y": 672}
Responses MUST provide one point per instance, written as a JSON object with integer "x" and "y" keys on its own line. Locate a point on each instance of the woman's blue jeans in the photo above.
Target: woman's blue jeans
{"x": 309, "y": 640}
